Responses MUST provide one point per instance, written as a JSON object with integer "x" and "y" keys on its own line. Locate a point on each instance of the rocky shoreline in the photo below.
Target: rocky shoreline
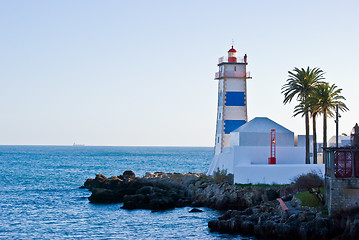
{"x": 269, "y": 221}
{"x": 250, "y": 210}
{"x": 161, "y": 191}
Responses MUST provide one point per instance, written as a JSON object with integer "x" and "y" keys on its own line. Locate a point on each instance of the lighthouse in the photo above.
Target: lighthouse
{"x": 232, "y": 97}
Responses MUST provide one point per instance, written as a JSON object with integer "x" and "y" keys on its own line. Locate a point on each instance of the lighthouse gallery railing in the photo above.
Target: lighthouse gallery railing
{"x": 236, "y": 74}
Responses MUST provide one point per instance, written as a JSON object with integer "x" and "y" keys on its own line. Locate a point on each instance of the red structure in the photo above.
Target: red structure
{"x": 346, "y": 163}
{"x": 232, "y": 55}
{"x": 272, "y": 158}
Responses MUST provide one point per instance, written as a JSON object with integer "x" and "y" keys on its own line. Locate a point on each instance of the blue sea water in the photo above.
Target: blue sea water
{"x": 40, "y": 196}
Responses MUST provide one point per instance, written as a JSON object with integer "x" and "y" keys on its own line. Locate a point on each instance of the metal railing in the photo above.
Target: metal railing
{"x": 234, "y": 74}
{"x": 341, "y": 162}
{"x": 224, "y": 59}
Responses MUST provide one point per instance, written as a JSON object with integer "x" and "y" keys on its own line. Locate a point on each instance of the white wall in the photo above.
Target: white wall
{"x": 245, "y": 155}
{"x": 230, "y": 67}
{"x": 235, "y": 113}
{"x": 222, "y": 161}
{"x": 226, "y": 140}
{"x": 264, "y": 139}
{"x": 269, "y": 174}
{"x": 238, "y": 85}
{"x": 234, "y": 138}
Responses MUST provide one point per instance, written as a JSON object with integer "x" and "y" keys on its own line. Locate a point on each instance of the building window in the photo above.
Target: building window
{"x": 218, "y": 139}
{"x": 219, "y": 116}
{"x": 235, "y": 68}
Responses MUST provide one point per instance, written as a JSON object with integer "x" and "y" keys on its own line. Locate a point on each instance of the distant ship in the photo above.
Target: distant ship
{"x": 78, "y": 145}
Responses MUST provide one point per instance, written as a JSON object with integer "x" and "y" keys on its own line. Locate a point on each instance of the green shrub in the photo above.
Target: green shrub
{"x": 308, "y": 181}
{"x": 219, "y": 175}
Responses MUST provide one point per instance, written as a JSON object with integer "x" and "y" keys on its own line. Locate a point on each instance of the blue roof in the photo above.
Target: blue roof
{"x": 260, "y": 125}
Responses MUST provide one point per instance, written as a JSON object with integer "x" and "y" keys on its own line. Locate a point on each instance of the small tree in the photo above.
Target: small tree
{"x": 306, "y": 182}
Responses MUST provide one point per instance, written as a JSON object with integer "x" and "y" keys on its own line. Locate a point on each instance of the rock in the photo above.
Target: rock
{"x": 221, "y": 202}
{"x": 102, "y": 195}
{"x": 229, "y": 178}
{"x": 354, "y": 229}
{"x": 306, "y": 230}
{"x": 295, "y": 202}
{"x": 99, "y": 182}
{"x": 306, "y": 216}
{"x": 128, "y": 174}
{"x": 145, "y": 190}
{"x": 196, "y": 203}
{"x": 162, "y": 203}
{"x": 248, "y": 211}
{"x": 161, "y": 191}
{"x": 135, "y": 201}
{"x": 213, "y": 225}
{"x": 149, "y": 175}
{"x": 321, "y": 228}
{"x": 228, "y": 226}
{"x": 247, "y": 227}
{"x": 271, "y": 194}
{"x": 292, "y": 218}
{"x": 287, "y": 198}
{"x": 229, "y": 214}
{"x": 183, "y": 202}
{"x": 195, "y": 210}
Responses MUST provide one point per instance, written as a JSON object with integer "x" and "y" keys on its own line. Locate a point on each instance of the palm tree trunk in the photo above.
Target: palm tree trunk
{"x": 324, "y": 128}
{"x": 314, "y": 139}
{"x": 307, "y": 158}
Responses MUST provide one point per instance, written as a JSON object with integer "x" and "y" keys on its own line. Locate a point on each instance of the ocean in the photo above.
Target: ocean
{"x": 40, "y": 196}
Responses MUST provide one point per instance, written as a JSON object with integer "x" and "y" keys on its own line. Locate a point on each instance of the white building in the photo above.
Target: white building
{"x": 242, "y": 147}
{"x": 343, "y": 141}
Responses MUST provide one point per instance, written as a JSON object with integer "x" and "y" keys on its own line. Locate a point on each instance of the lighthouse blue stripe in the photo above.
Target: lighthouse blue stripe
{"x": 220, "y": 99}
{"x": 230, "y": 125}
{"x": 235, "y": 99}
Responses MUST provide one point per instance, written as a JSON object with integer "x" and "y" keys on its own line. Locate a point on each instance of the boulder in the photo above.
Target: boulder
{"x": 135, "y": 201}
{"x": 271, "y": 194}
{"x": 193, "y": 210}
{"x": 213, "y": 225}
{"x": 102, "y": 195}
{"x": 128, "y": 174}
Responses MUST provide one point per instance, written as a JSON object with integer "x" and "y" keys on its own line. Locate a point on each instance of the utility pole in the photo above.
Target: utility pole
{"x": 337, "y": 125}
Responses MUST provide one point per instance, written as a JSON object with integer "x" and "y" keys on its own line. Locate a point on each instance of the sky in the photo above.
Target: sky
{"x": 141, "y": 73}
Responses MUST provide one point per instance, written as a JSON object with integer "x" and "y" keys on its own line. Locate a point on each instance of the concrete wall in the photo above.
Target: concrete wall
{"x": 269, "y": 174}
{"x": 238, "y": 85}
{"x": 263, "y": 139}
{"x": 234, "y": 138}
{"x": 341, "y": 193}
{"x": 230, "y": 67}
{"x": 235, "y": 112}
{"x": 222, "y": 161}
{"x": 245, "y": 155}
{"x": 219, "y": 125}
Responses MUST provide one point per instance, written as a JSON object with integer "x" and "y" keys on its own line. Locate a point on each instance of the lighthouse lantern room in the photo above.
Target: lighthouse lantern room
{"x": 232, "y": 100}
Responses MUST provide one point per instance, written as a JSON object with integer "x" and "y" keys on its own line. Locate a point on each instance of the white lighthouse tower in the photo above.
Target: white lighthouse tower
{"x": 232, "y": 92}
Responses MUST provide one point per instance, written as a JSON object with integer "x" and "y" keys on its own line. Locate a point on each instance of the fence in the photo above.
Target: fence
{"x": 342, "y": 162}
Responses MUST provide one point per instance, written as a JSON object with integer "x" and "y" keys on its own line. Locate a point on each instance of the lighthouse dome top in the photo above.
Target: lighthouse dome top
{"x": 232, "y": 50}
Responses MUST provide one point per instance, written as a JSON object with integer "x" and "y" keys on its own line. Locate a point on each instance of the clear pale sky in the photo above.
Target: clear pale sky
{"x": 141, "y": 73}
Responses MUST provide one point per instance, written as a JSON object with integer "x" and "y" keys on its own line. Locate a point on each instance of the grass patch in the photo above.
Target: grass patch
{"x": 308, "y": 199}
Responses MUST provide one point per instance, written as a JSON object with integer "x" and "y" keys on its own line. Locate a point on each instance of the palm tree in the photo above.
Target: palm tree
{"x": 328, "y": 96}
{"x": 299, "y": 85}
{"x": 312, "y": 108}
